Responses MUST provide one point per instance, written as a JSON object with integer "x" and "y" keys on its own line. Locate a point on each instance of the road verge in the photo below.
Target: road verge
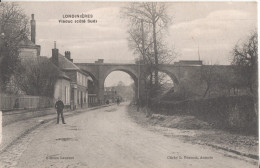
{"x": 192, "y": 130}
{"x": 12, "y": 132}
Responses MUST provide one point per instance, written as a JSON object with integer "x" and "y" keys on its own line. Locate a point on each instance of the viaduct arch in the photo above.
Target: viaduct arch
{"x": 99, "y": 71}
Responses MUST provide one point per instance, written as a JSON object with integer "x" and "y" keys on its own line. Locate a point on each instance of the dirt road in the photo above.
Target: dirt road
{"x": 108, "y": 138}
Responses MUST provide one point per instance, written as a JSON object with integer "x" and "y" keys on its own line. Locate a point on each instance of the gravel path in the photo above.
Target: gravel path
{"x": 107, "y": 137}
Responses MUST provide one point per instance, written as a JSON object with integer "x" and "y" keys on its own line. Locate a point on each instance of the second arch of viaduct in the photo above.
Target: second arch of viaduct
{"x": 99, "y": 71}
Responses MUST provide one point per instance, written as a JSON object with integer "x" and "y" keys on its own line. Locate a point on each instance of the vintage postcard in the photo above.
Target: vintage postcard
{"x": 128, "y": 84}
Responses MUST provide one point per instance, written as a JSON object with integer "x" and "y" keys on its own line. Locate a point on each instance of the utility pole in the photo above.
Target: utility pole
{"x": 138, "y": 91}
{"x": 142, "y": 27}
{"x": 199, "y": 52}
{"x": 139, "y": 67}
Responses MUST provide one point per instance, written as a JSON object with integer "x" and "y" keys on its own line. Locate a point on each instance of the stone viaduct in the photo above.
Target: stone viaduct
{"x": 100, "y": 70}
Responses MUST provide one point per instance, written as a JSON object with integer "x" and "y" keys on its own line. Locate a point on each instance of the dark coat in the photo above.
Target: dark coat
{"x": 59, "y": 105}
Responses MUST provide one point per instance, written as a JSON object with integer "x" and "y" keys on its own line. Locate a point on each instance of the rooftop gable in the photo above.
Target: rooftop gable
{"x": 66, "y": 64}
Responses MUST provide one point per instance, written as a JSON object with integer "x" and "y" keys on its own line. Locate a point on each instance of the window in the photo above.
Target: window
{"x": 81, "y": 79}
{"x": 77, "y": 77}
{"x": 78, "y": 97}
{"x": 67, "y": 95}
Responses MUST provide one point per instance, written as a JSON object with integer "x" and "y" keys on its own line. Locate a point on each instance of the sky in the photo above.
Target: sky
{"x": 212, "y": 28}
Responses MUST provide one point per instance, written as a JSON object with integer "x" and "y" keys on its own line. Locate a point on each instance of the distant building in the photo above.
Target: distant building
{"x": 92, "y": 96}
{"x": 110, "y": 94}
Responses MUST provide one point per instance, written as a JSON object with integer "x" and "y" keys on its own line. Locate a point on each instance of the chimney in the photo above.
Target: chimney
{"x": 55, "y": 55}
{"x": 33, "y": 29}
{"x": 67, "y": 55}
{"x": 99, "y": 61}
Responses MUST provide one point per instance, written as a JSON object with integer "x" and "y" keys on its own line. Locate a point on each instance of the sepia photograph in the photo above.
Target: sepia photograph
{"x": 129, "y": 84}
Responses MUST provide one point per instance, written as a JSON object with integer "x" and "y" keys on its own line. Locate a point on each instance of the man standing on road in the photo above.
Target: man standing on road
{"x": 59, "y": 107}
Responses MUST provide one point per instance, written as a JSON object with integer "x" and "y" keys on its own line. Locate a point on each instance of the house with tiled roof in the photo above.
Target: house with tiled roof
{"x": 77, "y": 93}
{"x": 72, "y": 83}
{"x": 29, "y": 50}
{"x": 62, "y": 88}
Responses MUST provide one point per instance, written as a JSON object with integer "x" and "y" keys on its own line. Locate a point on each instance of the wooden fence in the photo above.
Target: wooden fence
{"x": 11, "y": 102}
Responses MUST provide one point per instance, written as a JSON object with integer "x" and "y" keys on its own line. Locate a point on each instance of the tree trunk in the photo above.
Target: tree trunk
{"x": 155, "y": 55}
{"x": 151, "y": 85}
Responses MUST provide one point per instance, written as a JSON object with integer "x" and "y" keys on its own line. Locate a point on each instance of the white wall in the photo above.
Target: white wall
{"x": 61, "y": 92}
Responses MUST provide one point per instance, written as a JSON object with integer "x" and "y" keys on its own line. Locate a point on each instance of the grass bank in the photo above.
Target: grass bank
{"x": 190, "y": 129}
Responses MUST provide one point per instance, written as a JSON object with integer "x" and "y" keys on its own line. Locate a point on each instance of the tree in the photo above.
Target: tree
{"x": 120, "y": 83}
{"x": 210, "y": 77}
{"x": 124, "y": 91}
{"x": 152, "y": 19}
{"x": 13, "y": 29}
{"x": 148, "y": 22}
{"x": 245, "y": 59}
{"x": 37, "y": 77}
